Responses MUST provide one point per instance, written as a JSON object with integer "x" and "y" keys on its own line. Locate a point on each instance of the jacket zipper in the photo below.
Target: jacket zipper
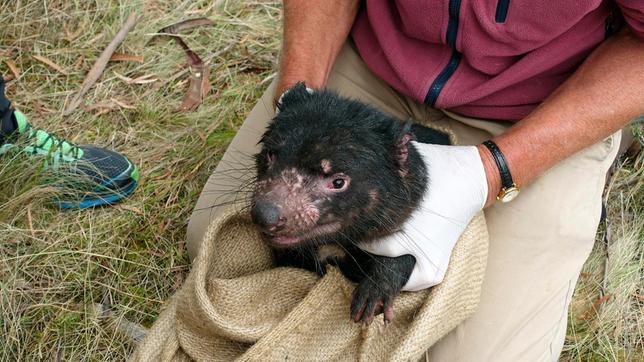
{"x": 609, "y": 28}
{"x": 501, "y": 11}
{"x": 454, "y": 60}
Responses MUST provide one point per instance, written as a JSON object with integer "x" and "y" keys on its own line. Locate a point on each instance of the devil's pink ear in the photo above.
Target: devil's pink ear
{"x": 401, "y": 145}
{"x": 402, "y": 149}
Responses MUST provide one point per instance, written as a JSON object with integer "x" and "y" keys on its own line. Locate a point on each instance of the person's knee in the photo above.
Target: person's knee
{"x": 195, "y": 232}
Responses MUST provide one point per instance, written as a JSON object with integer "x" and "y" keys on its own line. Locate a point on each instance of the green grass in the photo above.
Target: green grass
{"x": 55, "y": 266}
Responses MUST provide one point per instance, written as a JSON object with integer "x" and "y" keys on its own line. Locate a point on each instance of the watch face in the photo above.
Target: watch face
{"x": 510, "y": 194}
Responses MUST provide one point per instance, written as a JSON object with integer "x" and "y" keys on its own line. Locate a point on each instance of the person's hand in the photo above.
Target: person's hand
{"x": 457, "y": 189}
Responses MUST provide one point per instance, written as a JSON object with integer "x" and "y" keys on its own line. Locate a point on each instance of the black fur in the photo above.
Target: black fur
{"x": 372, "y": 148}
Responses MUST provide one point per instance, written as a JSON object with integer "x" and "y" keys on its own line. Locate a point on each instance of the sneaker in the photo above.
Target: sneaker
{"x": 92, "y": 175}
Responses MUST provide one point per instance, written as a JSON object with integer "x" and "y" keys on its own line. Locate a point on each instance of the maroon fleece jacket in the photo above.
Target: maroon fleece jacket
{"x": 490, "y": 59}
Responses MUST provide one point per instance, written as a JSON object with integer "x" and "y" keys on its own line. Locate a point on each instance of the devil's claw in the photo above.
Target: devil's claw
{"x": 369, "y": 301}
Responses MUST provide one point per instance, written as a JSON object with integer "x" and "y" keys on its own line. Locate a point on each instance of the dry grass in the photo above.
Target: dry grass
{"x": 606, "y": 322}
{"x": 56, "y": 265}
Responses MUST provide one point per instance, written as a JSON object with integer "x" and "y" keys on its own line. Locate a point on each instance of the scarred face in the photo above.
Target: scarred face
{"x": 308, "y": 190}
{"x": 320, "y": 174}
{"x": 292, "y": 205}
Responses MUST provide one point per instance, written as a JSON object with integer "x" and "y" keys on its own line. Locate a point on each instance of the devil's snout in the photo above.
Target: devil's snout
{"x": 267, "y": 215}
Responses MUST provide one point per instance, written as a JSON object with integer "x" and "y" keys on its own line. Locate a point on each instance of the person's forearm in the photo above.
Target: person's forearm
{"x": 314, "y": 31}
{"x": 603, "y": 95}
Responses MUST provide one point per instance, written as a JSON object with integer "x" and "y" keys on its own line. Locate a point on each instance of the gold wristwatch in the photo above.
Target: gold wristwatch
{"x": 509, "y": 190}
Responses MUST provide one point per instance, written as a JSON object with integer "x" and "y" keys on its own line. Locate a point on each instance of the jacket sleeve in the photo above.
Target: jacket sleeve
{"x": 633, "y": 11}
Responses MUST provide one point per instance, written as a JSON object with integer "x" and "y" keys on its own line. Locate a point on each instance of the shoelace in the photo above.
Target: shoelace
{"x": 63, "y": 148}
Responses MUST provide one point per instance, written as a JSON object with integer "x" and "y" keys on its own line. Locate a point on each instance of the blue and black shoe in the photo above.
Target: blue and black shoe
{"x": 90, "y": 175}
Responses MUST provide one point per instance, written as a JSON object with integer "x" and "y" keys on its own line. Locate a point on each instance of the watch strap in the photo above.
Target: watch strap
{"x": 501, "y": 163}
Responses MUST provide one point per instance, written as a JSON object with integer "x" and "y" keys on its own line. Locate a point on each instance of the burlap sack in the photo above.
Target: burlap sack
{"x": 235, "y": 306}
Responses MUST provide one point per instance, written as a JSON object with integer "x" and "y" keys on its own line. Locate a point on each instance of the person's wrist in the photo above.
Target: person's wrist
{"x": 492, "y": 174}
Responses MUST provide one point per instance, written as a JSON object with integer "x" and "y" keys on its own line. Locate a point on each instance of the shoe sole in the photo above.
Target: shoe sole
{"x": 101, "y": 200}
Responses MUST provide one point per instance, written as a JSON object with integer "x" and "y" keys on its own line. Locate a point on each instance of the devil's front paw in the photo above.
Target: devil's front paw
{"x": 370, "y": 299}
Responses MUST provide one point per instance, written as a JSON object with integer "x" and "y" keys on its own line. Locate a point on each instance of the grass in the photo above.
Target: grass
{"x": 55, "y": 266}
{"x": 606, "y": 322}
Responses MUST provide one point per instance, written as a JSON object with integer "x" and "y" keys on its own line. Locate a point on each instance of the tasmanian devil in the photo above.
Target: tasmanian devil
{"x": 334, "y": 172}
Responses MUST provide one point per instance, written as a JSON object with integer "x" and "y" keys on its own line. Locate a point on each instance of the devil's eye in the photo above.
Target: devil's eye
{"x": 338, "y": 183}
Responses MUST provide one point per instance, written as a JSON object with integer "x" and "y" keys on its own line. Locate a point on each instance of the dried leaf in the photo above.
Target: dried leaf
{"x": 202, "y": 136}
{"x": 162, "y": 227}
{"x": 164, "y": 175}
{"x": 185, "y": 25}
{"x": 94, "y": 39}
{"x": 144, "y": 79}
{"x": 30, "y": 221}
{"x": 40, "y": 109}
{"x": 199, "y": 73}
{"x": 127, "y": 80}
{"x": 123, "y": 57}
{"x": 50, "y": 63}
{"x": 101, "y": 105}
{"x": 108, "y": 106}
{"x": 13, "y": 68}
{"x": 593, "y": 308}
{"x": 123, "y": 104}
{"x": 196, "y": 11}
{"x": 196, "y": 168}
{"x": 103, "y": 111}
{"x": 79, "y": 62}
{"x": 131, "y": 208}
{"x": 69, "y": 35}
{"x": 198, "y": 88}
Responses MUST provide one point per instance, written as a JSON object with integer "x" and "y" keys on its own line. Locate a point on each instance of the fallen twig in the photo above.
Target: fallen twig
{"x": 134, "y": 331}
{"x": 608, "y": 236}
{"x": 101, "y": 63}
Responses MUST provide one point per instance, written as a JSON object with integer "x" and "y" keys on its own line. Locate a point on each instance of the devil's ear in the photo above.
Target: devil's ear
{"x": 402, "y": 137}
{"x": 295, "y": 94}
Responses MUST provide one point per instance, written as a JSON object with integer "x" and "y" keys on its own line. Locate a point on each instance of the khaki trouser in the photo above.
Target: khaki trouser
{"x": 538, "y": 242}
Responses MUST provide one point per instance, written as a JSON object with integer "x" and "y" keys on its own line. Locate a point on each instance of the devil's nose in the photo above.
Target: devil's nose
{"x": 266, "y": 214}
